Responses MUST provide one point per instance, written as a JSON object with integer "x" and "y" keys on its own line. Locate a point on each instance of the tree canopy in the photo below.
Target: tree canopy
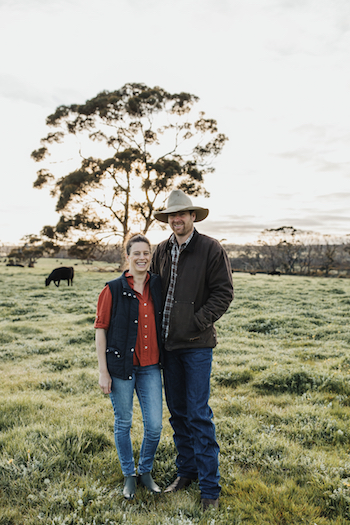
{"x": 142, "y": 143}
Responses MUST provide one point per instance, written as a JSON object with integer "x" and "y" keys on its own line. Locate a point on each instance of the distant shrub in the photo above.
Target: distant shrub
{"x": 45, "y": 349}
{"x": 85, "y": 361}
{"x": 327, "y": 332}
{"x": 311, "y": 429}
{"x": 17, "y": 412}
{"x": 277, "y": 325}
{"x": 25, "y": 330}
{"x": 75, "y": 447}
{"x": 21, "y": 311}
{"x": 314, "y": 355}
{"x": 250, "y": 448}
{"x": 233, "y": 378}
{"x": 5, "y": 338}
{"x": 87, "y": 441}
{"x": 58, "y": 364}
{"x": 250, "y": 305}
{"x": 37, "y": 316}
{"x": 281, "y": 381}
{"x": 334, "y": 383}
{"x": 72, "y": 385}
{"x": 258, "y": 366}
{"x": 9, "y": 517}
{"x": 7, "y": 304}
{"x": 262, "y": 325}
{"x": 344, "y": 364}
{"x": 70, "y": 449}
{"x": 87, "y": 336}
{"x": 313, "y": 318}
{"x": 296, "y": 381}
{"x": 86, "y": 320}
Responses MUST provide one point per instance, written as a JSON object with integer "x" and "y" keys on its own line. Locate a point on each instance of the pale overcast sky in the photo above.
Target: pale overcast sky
{"x": 274, "y": 73}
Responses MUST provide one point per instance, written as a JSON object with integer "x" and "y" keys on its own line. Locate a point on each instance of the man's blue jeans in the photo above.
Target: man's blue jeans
{"x": 146, "y": 380}
{"x": 187, "y": 388}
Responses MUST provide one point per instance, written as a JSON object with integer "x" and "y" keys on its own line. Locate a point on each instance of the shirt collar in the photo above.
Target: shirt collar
{"x": 184, "y": 244}
{"x": 130, "y": 278}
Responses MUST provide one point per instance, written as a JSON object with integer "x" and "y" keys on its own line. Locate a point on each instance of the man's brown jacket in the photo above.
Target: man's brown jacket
{"x": 203, "y": 290}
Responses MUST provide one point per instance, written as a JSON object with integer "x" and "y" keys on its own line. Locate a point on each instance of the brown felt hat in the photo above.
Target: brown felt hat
{"x": 179, "y": 201}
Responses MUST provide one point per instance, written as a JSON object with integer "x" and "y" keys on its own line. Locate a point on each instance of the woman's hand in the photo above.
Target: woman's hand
{"x": 105, "y": 382}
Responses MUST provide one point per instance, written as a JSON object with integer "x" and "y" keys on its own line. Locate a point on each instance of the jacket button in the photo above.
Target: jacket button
{"x": 132, "y": 350}
{"x": 136, "y": 321}
{"x": 124, "y": 293}
{"x": 130, "y": 377}
{"x": 129, "y": 294}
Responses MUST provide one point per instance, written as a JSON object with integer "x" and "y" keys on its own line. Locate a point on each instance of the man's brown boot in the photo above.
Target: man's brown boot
{"x": 207, "y": 503}
{"x": 178, "y": 484}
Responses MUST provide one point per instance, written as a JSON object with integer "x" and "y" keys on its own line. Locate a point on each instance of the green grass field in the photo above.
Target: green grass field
{"x": 280, "y": 396}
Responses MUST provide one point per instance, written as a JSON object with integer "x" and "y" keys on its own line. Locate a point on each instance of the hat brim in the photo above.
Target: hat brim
{"x": 162, "y": 216}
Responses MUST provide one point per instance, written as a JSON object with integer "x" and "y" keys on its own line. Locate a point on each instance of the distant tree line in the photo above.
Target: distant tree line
{"x": 278, "y": 251}
{"x": 289, "y": 251}
{"x": 33, "y": 249}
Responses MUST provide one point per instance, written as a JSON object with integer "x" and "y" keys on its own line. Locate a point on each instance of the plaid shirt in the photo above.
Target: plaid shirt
{"x": 169, "y": 301}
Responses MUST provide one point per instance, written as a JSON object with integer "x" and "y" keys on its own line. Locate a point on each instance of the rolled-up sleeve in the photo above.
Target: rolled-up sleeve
{"x": 104, "y": 309}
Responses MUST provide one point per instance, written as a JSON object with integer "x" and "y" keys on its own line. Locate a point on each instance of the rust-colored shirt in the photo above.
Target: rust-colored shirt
{"x": 146, "y": 349}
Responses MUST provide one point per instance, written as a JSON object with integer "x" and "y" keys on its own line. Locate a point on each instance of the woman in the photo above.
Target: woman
{"x": 128, "y": 344}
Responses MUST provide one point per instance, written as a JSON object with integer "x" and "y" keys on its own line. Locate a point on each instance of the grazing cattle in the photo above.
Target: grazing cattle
{"x": 65, "y": 273}
{"x": 275, "y": 272}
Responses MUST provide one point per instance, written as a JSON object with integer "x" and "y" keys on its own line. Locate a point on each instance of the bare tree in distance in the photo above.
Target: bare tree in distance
{"x": 279, "y": 248}
{"x": 287, "y": 250}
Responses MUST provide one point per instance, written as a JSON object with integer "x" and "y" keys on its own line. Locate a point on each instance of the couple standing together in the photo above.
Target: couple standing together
{"x": 166, "y": 316}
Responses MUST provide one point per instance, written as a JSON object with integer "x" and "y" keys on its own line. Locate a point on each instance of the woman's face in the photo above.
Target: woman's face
{"x": 139, "y": 258}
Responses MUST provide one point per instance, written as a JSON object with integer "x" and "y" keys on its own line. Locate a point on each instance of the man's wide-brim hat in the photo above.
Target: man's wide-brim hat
{"x": 179, "y": 201}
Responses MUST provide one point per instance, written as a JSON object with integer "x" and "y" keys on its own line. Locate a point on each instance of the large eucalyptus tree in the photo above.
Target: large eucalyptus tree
{"x": 149, "y": 141}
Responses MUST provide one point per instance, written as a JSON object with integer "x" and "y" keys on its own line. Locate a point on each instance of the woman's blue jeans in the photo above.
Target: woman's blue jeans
{"x": 146, "y": 380}
{"x": 187, "y": 388}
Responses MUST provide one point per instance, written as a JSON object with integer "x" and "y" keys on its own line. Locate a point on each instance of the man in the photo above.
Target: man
{"x": 197, "y": 290}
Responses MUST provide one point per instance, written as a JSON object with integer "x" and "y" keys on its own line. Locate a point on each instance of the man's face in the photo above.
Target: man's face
{"x": 181, "y": 223}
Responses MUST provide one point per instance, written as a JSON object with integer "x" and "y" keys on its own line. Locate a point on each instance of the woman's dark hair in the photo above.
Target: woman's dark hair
{"x": 136, "y": 238}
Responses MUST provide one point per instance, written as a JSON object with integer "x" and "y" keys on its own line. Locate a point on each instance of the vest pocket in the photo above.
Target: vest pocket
{"x": 115, "y": 359}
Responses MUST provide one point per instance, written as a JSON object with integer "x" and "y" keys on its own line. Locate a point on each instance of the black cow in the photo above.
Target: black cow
{"x": 65, "y": 273}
